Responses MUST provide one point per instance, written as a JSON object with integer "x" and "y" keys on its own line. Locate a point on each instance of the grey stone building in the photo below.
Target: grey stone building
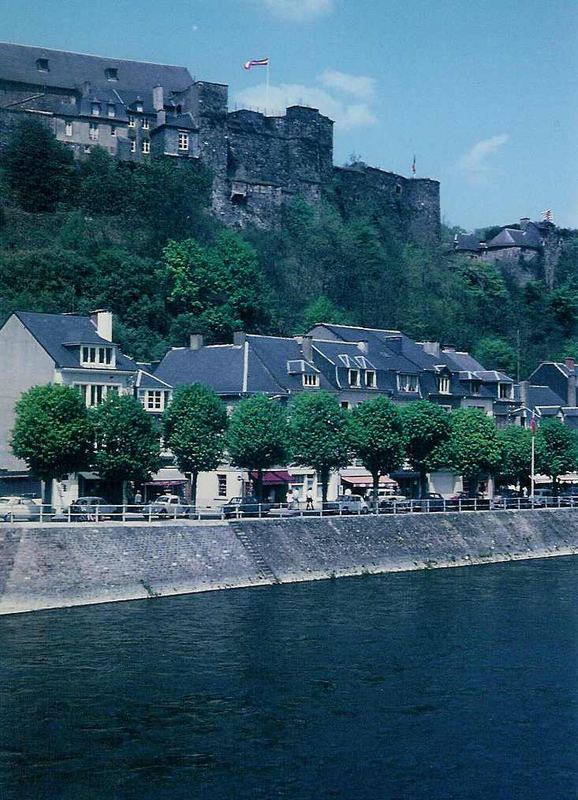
{"x": 138, "y": 110}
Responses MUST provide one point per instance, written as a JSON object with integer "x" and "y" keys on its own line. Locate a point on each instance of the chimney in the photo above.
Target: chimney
{"x": 307, "y": 347}
{"x": 570, "y": 366}
{"x": 158, "y": 98}
{"x": 432, "y": 348}
{"x": 449, "y": 348}
{"x": 363, "y": 346}
{"x": 196, "y": 341}
{"x": 524, "y": 222}
{"x": 524, "y": 385}
{"x": 239, "y": 338}
{"x": 102, "y": 321}
{"x": 86, "y": 88}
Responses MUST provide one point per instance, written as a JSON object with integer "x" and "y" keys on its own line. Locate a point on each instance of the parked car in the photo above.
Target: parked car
{"x": 247, "y": 506}
{"x": 18, "y": 509}
{"x": 167, "y": 505}
{"x": 351, "y": 504}
{"x": 88, "y": 508}
{"x": 392, "y": 503}
{"x": 431, "y": 502}
{"x": 463, "y": 501}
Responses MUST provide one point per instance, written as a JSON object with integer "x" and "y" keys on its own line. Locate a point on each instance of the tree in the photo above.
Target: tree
{"x": 52, "y": 432}
{"x": 257, "y": 436}
{"x": 427, "y": 428}
{"x": 495, "y": 353}
{"x": 320, "y": 434}
{"x": 378, "y": 438}
{"x": 322, "y": 309}
{"x": 556, "y": 450}
{"x": 193, "y": 428}
{"x": 39, "y": 170}
{"x": 473, "y": 447}
{"x": 516, "y": 462}
{"x": 127, "y": 441}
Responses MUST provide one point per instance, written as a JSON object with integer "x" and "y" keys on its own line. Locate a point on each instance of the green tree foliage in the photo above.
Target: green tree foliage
{"x": 257, "y": 438}
{"x": 193, "y": 427}
{"x": 322, "y": 309}
{"x": 473, "y": 447}
{"x": 495, "y": 353}
{"x": 219, "y": 287}
{"x": 378, "y": 438}
{"x": 39, "y": 170}
{"x": 516, "y": 463}
{"x": 127, "y": 441}
{"x": 320, "y": 434}
{"x": 427, "y": 428}
{"x": 556, "y": 450}
{"x": 52, "y": 432}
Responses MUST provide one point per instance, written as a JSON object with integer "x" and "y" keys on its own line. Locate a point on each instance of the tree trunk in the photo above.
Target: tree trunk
{"x": 555, "y": 485}
{"x": 422, "y": 483}
{"x": 124, "y": 493}
{"x": 324, "y": 474}
{"x": 259, "y": 485}
{"x": 375, "y": 476}
{"x": 194, "y": 481}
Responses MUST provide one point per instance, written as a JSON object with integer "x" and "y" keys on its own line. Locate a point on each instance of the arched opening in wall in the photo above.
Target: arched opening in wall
{"x": 239, "y": 194}
{"x": 398, "y": 189}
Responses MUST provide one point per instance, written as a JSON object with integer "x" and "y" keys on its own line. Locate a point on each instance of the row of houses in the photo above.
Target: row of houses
{"x": 355, "y": 364}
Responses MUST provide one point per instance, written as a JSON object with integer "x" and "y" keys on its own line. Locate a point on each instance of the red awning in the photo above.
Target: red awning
{"x": 273, "y": 477}
{"x": 165, "y": 484}
{"x": 367, "y": 480}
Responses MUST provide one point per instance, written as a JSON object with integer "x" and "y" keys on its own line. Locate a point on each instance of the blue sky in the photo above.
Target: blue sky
{"x": 484, "y": 93}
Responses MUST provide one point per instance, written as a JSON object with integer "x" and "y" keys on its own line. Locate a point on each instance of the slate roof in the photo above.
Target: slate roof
{"x": 513, "y": 237}
{"x": 220, "y": 367}
{"x": 145, "y": 380}
{"x": 467, "y": 242}
{"x": 70, "y": 70}
{"x": 54, "y": 331}
{"x": 543, "y": 396}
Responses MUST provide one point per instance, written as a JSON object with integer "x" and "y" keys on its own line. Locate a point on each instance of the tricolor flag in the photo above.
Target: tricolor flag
{"x": 256, "y": 62}
{"x": 533, "y": 424}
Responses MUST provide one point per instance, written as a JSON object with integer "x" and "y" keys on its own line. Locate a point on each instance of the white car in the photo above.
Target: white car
{"x": 18, "y": 509}
{"x": 352, "y": 504}
{"x": 167, "y": 505}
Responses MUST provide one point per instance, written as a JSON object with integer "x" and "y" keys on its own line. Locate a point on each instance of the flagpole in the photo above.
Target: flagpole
{"x": 533, "y": 465}
{"x": 267, "y": 90}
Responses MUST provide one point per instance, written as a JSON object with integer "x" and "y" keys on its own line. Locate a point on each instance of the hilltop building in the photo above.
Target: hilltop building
{"x": 137, "y": 110}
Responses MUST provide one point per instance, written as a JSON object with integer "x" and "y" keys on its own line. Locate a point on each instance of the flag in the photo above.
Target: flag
{"x": 533, "y": 424}
{"x": 547, "y": 215}
{"x": 413, "y": 167}
{"x": 256, "y": 62}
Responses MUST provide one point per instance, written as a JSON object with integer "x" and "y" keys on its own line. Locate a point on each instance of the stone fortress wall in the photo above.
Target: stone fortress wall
{"x": 56, "y": 566}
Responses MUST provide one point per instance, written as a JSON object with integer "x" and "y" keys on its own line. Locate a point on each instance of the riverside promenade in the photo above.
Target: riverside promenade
{"x": 59, "y": 565}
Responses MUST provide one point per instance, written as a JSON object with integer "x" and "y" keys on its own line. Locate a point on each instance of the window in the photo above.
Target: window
{"x": 139, "y": 107}
{"x": 42, "y": 65}
{"x": 443, "y": 384}
{"x": 370, "y": 379}
{"x": 345, "y": 404}
{"x": 310, "y": 380}
{"x": 146, "y": 146}
{"x": 95, "y": 109}
{"x": 131, "y": 122}
{"x": 113, "y": 130}
{"x": 133, "y": 146}
{"x": 94, "y": 393}
{"x": 505, "y": 391}
{"x": 407, "y": 383}
{"x": 154, "y": 399}
{"x": 111, "y": 73}
{"x": 96, "y": 356}
{"x": 111, "y": 110}
{"x": 183, "y": 141}
{"x": 93, "y": 131}
{"x": 146, "y": 124}
{"x": 354, "y": 377}
{"x": 476, "y": 387}
{"x": 221, "y": 485}
{"x": 68, "y": 129}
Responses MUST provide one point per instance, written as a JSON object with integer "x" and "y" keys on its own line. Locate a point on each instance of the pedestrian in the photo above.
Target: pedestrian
{"x": 309, "y": 498}
{"x": 290, "y": 498}
{"x": 137, "y": 498}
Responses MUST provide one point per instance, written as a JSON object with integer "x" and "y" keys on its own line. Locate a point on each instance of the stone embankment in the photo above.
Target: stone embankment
{"x": 55, "y": 566}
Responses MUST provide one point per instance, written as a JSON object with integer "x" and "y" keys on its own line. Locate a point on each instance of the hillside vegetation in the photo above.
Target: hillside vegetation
{"x": 140, "y": 240}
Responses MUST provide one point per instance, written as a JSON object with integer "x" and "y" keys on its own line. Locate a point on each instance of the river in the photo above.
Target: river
{"x": 456, "y": 683}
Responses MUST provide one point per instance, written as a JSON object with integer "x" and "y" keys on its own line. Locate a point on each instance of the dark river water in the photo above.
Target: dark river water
{"x": 459, "y": 683}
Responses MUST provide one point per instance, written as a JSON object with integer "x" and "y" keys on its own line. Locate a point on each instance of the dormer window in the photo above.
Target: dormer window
{"x": 91, "y": 356}
{"x": 476, "y": 387}
{"x": 443, "y": 382}
{"x": 111, "y": 110}
{"x": 505, "y": 391}
{"x": 370, "y": 379}
{"x": 310, "y": 380}
{"x": 42, "y": 65}
{"x": 111, "y": 73}
{"x": 139, "y": 106}
{"x": 407, "y": 383}
{"x": 95, "y": 109}
{"x": 353, "y": 377}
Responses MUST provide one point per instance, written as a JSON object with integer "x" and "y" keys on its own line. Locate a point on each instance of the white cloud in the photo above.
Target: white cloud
{"x": 344, "y": 113}
{"x": 475, "y": 162}
{"x": 362, "y": 86}
{"x": 299, "y": 9}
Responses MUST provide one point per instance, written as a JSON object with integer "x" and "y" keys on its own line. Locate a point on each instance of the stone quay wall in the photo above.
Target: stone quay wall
{"x": 56, "y": 566}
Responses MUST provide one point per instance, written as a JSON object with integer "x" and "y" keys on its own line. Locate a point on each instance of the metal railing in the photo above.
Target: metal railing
{"x": 151, "y": 512}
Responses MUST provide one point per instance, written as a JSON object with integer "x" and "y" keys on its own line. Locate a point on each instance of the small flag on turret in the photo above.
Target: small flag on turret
{"x": 256, "y": 62}
{"x": 547, "y": 215}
